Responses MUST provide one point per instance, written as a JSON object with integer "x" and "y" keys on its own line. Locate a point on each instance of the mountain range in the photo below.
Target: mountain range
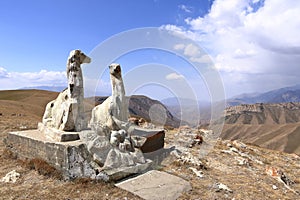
{"x": 195, "y": 112}
{"x": 285, "y": 94}
{"x": 282, "y": 95}
{"x": 274, "y": 126}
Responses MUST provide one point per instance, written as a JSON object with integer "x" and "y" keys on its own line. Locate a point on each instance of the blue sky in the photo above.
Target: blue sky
{"x": 31, "y": 30}
{"x": 254, "y": 44}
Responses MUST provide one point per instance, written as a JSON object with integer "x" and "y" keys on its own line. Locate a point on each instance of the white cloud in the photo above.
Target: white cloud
{"x": 193, "y": 53}
{"x": 202, "y": 59}
{"x": 18, "y": 80}
{"x": 174, "y": 76}
{"x": 186, "y": 8}
{"x": 3, "y": 73}
{"x": 179, "y": 46}
{"x": 15, "y": 80}
{"x": 238, "y": 53}
{"x": 247, "y": 37}
{"x": 191, "y": 50}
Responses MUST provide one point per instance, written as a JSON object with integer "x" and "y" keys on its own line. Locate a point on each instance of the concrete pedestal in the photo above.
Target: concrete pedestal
{"x": 72, "y": 158}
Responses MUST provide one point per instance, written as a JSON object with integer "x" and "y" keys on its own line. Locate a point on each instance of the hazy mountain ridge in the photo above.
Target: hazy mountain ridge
{"x": 282, "y": 95}
{"x": 191, "y": 111}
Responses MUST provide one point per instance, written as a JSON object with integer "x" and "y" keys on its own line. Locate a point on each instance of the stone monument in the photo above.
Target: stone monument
{"x": 115, "y": 106}
{"x": 112, "y": 148}
{"x": 66, "y": 112}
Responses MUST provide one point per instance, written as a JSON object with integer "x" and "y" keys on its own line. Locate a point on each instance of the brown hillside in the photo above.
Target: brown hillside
{"x": 259, "y": 113}
{"x": 17, "y": 104}
{"x": 23, "y": 109}
{"x": 273, "y": 126}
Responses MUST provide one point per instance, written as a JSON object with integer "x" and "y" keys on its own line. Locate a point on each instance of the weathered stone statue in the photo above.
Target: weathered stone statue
{"x": 115, "y": 148}
{"x": 115, "y": 106}
{"x": 66, "y": 112}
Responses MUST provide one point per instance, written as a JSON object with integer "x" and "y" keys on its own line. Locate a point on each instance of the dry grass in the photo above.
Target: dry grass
{"x": 42, "y": 167}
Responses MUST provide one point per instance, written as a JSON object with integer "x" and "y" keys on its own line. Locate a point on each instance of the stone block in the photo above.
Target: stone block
{"x": 156, "y": 185}
{"x": 71, "y": 158}
{"x": 155, "y": 138}
{"x": 58, "y": 135}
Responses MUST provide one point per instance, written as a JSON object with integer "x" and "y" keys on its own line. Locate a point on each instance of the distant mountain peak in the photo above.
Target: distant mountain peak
{"x": 281, "y": 95}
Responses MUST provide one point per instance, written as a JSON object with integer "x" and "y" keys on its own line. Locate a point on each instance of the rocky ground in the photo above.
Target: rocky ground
{"x": 234, "y": 170}
{"x": 230, "y": 170}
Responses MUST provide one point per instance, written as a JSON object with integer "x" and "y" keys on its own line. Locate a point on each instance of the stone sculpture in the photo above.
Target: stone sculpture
{"x": 112, "y": 149}
{"x": 110, "y": 121}
{"x": 115, "y": 106}
{"x": 66, "y": 112}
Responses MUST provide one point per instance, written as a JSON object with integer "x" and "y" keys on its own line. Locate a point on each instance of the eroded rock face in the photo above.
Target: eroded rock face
{"x": 66, "y": 112}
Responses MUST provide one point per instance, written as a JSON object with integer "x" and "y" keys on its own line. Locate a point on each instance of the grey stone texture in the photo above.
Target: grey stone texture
{"x": 72, "y": 158}
{"x": 156, "y": 185}
{"x": 66, "y": 112}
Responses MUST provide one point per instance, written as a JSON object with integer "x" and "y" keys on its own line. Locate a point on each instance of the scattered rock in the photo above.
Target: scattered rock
{"x": 197, "y": 140}
{"x": 229, "y": 145}
{"x": 11, "y": 177}
{"x": 241, "y": 161}
{"x": 220, "y": 186}
{"x": 226, "y": 151}
{"x": 295, "y": 156}
{"x": 234, "y": 150}
{"x": 188, "y": 158}
{"x": 274, "y": 187}
{"x": 239, "y": 144}
{"x": 206, "y": 132}
{"x": 281, "y": 177}
{"x": 23, "y": 127}
{"x": 197, "y": 172}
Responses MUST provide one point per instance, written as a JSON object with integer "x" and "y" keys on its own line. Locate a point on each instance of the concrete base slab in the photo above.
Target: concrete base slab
{"x": 156, "y": 185}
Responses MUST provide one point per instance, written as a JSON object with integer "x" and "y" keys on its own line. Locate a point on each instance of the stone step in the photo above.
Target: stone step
{"x": 156, "y": 185}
